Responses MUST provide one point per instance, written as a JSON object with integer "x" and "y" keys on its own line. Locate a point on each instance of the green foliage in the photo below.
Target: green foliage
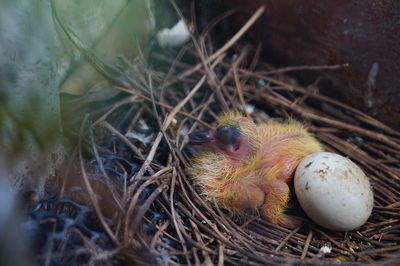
{"x": 27, "y": 127}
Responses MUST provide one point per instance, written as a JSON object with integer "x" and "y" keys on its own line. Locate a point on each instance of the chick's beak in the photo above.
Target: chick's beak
{"x": 200, "y": 137}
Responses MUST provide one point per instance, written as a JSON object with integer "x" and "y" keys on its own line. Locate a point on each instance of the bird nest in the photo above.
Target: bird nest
{"x": 132, "y": 158}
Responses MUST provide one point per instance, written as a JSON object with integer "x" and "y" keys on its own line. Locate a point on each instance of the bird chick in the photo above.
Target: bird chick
{"x": 247, "y": 166}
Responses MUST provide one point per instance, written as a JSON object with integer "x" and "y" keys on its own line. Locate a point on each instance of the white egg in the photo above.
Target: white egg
{"x": 333, "y": 191}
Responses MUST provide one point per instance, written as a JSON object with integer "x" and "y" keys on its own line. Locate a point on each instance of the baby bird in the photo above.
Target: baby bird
{"x": 247, "y": 166}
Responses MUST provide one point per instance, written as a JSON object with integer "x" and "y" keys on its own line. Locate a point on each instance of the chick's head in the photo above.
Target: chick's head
{"x": 235, "y": 137}
{"x": 230, "y": 150}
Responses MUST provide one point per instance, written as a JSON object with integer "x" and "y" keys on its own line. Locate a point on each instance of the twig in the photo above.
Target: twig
{"x": 89, "y": 188}
{"x": 307, "y": 244}
{"x": 283, "y": 243}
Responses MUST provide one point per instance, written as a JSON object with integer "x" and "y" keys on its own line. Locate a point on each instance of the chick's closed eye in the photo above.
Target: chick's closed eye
{"x": 228, "y": 135}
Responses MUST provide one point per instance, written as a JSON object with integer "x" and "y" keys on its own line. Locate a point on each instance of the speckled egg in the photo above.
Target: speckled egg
{"x": 333, "y": 191}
